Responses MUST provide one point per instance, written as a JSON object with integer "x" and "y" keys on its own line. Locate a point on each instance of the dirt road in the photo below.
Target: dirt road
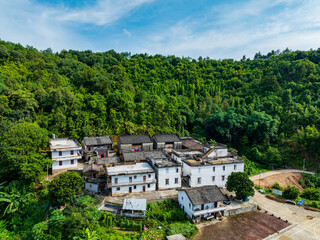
{"x": 307, "y": 222}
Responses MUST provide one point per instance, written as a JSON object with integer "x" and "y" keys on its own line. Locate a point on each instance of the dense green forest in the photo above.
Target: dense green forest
{"x": 267, "y": 108}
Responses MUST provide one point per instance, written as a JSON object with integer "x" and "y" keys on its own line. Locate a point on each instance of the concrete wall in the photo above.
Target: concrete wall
{"x": 186, "y": 169}
{"x": 65, "y": 164}
{"x": 185, "y": 203}
{"x": 177, "y": 145}
{"x": 241, "y": 209}
{"x": 219, "y": 153}
{"x": 92, "y": 187}
{"x": 171, "y": 174}
{"x": 125, "y": 147}
{"x": 139, "y": 178}
{"x": 65, "y": 153}
{"x": 125, "y": 189}
{"x": 147, "y": 146}
{"x": 206, "y": 173}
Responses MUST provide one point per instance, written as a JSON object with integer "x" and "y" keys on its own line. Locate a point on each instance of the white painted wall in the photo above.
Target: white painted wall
{"x": 92, "y": 187}
{"x": 219, "y": 153}
{"x": 125, "y": 189}
{"x": 206, "y": 173}
{"x": 171, "y": 174}
{"x": 186, "y": 169}
{"x": 185, "y": 203}
{"x": 139, "y": 178}
{"x": 65, "y": 164}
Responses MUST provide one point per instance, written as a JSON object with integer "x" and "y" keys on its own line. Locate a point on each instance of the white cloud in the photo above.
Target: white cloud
{"x": 30, "y": 23}
{"x": 244, "y": 29}
{"x": 125, "y": 31}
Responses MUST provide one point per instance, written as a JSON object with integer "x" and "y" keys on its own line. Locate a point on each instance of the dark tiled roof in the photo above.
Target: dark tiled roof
{"x": 140, "y": 156}
{"x": 135, "y": 139}
{"x": 192, "y": 144}
{"x": 93, "y": 141}
{"x": 206, "y": 194}
{"x": 102, "y": 161}
{"x": 173, "y": 137}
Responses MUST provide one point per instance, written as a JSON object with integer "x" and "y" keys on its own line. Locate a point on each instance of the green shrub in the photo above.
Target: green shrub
{"x": 291, "y": 192}
{"x": 187, "y": 229}
{"x": 151, "y": 223}
{"x": 311, "y": 194}
{"x": 276, "y": 185}
{"x": 85, "y": 201}
{"x": 167, "y": 211}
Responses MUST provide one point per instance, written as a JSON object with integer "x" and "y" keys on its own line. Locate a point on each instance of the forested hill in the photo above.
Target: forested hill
{"x": 267, "y": 108}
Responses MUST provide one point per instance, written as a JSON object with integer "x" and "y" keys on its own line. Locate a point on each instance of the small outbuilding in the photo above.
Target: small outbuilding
{"x": 178, "y": 236}
{"x": 134, "y": 208}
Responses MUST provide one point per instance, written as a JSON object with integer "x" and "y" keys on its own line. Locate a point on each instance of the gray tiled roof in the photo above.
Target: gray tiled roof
{"x": 135, "y": 139}
{"x": 93, "y": 141}
{"x": 172, "y": 137}
{"x": 140, "y": 156}
{"x": 102, "y": 161}
{"x": 206, "y": 194}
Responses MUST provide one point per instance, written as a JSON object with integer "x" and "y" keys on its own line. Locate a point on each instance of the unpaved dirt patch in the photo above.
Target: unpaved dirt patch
{"x": 284, "y": 179}
{"x": 249, "y": 226}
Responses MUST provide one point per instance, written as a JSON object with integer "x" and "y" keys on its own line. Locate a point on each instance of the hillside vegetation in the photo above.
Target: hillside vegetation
{"x": 268, "y": 108}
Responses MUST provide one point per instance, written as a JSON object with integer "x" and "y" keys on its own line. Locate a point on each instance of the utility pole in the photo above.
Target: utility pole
{"x": 259, "y": 177}
{"x": 304, "y": 162}
{"x": 47, "y": 172}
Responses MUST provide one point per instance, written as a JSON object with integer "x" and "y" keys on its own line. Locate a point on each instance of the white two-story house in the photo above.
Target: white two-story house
{"x": 202, "y": 202}
{"x": 168, "y": 173}
{"x": 213, "y": 168}
{"x": 130, "y": 178}
{"x": 65, "y": 153}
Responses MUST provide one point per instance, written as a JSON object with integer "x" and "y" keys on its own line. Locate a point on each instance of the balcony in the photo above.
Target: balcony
{"x": 131, "y": 183}
{"x": 209, "y": 210}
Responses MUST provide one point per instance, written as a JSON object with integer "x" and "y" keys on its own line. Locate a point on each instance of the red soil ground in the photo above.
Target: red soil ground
{"x": 246, "y": 226}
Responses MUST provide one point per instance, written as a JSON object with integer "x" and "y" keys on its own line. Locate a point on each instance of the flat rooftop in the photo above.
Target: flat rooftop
{"x": 164, "y": 163}
{"x": 216, "y": 161}
{"x": 186, "y": 152}
{"x": 127, "y": 169}
{"x": 62, "y": 143}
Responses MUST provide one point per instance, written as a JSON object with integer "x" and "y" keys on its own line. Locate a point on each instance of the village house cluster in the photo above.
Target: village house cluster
{"x": 141, "y": 163}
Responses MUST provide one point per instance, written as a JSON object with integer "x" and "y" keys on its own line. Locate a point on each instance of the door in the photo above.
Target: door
{"x": 144, "y": 188}
{"x": 130, "y": 189}
{"x": 202, "y": 206}
{"x": 130, "y": 179}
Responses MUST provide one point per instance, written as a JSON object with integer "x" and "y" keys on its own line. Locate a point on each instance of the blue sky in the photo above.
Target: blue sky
{"x": 193, "y": 28}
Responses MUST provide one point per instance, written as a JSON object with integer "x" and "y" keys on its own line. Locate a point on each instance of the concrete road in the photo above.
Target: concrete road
{"x": 307, "y": 222}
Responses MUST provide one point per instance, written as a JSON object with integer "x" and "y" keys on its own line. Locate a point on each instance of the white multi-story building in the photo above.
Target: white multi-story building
{"x": 131, "y": 178}
{"x": 202, "y": 202}
{"x": 65, "y": 153}
{"x": 213, "y": 168}
{"x": 168, "y": 173}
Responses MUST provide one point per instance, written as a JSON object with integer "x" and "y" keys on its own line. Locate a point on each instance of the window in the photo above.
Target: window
{"x": 116, "y": 180}
{"x": 167, "y": 170}
{"x": 134, "y": 187}
{"x": 199, "y": 180}
{"x": 135, "y": 177}
{"x": 148, "y": 185}
{"x": 167, "y": 181}
{"x": 149, "y": 175}
{"x": 60, "y": 153}
{"x": 72, "y": 162}
{"x": 199, "y": 170}
{"x": 177, "y": 169}
{"x": 71, "y": 152}
{"x": 235, "y": 167}
{"x": 223, "y": 177}
{"x": 213, "y": 169}
{"x": 130, "y": 179}
{"x": 176, "y": 180}
{"x": 213, "y": 178}
{"x": 224, "y": 168}
{"x": 190, "y": 205}
{"x": 118, "y": 188}
{"x": 60, "y": 163}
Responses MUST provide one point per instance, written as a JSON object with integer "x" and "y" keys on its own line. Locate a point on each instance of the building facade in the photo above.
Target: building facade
{"x": 202, "y": 202}
{"x": 135, "y": 143}
{"x": 65, "y": 153}
{"x": 168, "y": 173}
{"x": 96, "y": 146}
{"x": 131, "y": 178}
{"x": 166, "y": 141}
